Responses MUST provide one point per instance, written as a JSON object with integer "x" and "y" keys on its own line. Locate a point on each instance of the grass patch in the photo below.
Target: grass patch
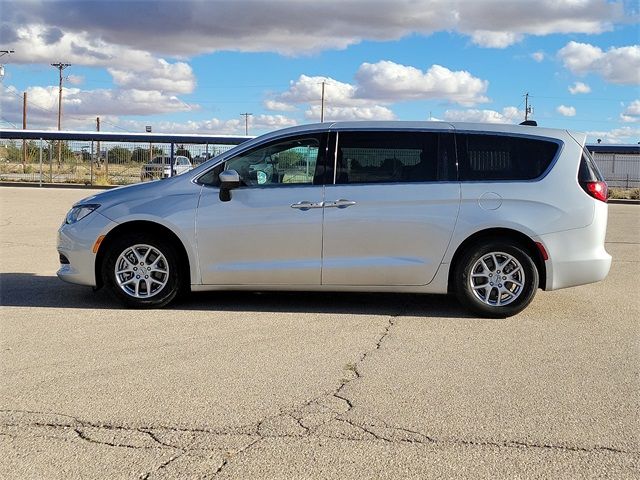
{"x": 624, "y": 193}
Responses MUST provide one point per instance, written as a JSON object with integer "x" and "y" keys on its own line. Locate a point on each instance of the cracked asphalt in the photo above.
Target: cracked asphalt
{"x": 297, "y": 386}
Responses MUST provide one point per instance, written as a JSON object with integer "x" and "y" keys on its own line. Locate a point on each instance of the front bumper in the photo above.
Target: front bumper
{"x": 76, "y": 242}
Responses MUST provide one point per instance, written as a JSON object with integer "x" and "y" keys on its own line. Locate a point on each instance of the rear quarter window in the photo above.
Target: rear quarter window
{"x": 501, "y": 157}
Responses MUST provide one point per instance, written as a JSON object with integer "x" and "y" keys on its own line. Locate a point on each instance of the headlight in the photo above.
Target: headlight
{"x": 79, "y": 212}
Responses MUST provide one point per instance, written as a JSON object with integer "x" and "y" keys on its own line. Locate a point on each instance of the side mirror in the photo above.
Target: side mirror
{"x": 229, "y": 179}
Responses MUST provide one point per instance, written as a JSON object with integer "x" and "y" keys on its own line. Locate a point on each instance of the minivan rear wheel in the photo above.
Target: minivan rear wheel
{"x": 496, "y": 279}
{"x": 142, "y": 271}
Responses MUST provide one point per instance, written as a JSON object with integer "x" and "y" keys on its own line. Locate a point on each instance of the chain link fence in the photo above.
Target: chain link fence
{"x": 619, "y": 170}
{"x": 102, "y": 158}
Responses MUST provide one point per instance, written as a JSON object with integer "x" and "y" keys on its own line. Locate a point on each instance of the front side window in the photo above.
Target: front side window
{"x": 288, "y": 162}
{"x": 391, "y": 156}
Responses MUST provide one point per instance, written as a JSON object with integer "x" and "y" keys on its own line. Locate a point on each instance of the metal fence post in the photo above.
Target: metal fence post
{"x": 106, "y": 165}
{"x": 50, "y": 161}
{"x": 172, "y": 160}
{"x": 40, "y": 161}
{"x": 613, "y": 164}
{"x": 91, "y": 165}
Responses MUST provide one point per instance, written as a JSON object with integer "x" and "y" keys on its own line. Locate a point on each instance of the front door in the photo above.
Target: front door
{"x": 270, "y": 232}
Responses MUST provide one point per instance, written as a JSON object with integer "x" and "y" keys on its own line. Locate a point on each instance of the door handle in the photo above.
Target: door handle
{"x": 304, "y": 206}
{"x": 342, "y": 203}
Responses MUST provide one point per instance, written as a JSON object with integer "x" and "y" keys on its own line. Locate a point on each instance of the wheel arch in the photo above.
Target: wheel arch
{"x": 520, "y": 239}
{"x": 144, "y": 226}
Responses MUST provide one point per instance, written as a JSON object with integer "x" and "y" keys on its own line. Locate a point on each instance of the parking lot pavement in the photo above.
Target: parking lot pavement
{"x": 295, "y": 385}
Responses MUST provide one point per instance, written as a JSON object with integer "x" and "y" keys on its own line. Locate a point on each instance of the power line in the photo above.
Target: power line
{"x": 31, "y": 102}
{"x": 117, "y": 126}
{"x": 584, "y": 98}
{"x": 10, "y": 123}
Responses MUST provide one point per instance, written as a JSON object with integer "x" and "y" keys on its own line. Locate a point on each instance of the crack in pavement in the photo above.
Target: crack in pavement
{"x": 330, "y": 415}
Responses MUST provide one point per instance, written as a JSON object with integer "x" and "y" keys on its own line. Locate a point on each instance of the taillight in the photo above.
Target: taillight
{"x": 597, "y": 190}
{"x": 591, "y": 179}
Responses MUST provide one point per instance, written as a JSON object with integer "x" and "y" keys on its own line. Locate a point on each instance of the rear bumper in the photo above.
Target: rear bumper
{"x": 569, "y": 270}
{"x": 578, "y": 257}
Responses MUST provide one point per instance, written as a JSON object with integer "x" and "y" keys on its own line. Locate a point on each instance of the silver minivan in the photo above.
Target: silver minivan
{"x": 491, "y": 213}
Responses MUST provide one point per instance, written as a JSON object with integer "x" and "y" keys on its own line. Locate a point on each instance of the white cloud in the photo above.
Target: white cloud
{"x": 566, "y": 111}
{"x": 499, "y": 23}
{"x": 538, "y": 56}
{"x": 631, "y": 114}
{"x": 161, "y": 75}
{"x": 75, "y": 79}
{"x": 130, "y": 67}
{"x": 617, "y": 65}
{"x": 489, "y": 39}
{"x": 271, "y": 122}
{"x": 278, "y": 106}
{"x": 629, "y": 135}
{"x": 308, "y": 89}
{"x": 508, "y": 115}
{"x": 579, "y": 87}
{"x": 334, "y": 114}
{"x": 389, "y": 81}
{"x": 378, "y": 85}
{"x": 293, "y": 27}
{"x": 81, "y": 107}
{"x": 258, "y": 124}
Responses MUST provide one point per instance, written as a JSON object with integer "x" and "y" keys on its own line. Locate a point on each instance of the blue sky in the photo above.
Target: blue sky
{"x": 196, "y": 66}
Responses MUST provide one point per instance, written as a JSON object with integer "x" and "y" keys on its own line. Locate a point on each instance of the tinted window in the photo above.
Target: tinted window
{"x": 386, "y": 157}
{"x": 589, "y": 171}
{"x": 499, "y": 157}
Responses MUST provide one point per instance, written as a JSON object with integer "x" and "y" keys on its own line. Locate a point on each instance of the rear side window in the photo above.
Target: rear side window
{"x": 589, "y": 171}
{"x": 393, "y": 157}
{"x": 500, "y": 157}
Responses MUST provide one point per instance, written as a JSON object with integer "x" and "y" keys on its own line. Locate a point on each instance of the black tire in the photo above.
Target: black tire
{"x": 495, "y": 300}
{"x": 167, "y": 286}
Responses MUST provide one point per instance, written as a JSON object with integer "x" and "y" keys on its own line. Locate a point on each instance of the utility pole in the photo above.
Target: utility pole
{"x": 24, "y": 127}
{"x": 322, "y": 103}
{"x": 60, "y": 67}
{"x": 2, "y": 54}
{"x": 527, "y": 108}
{"x": 246, "y": 116}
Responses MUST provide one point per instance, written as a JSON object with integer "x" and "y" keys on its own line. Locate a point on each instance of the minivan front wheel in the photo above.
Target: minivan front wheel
{"x": 496, "y": 279}
{"x": 142, "y": 272}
